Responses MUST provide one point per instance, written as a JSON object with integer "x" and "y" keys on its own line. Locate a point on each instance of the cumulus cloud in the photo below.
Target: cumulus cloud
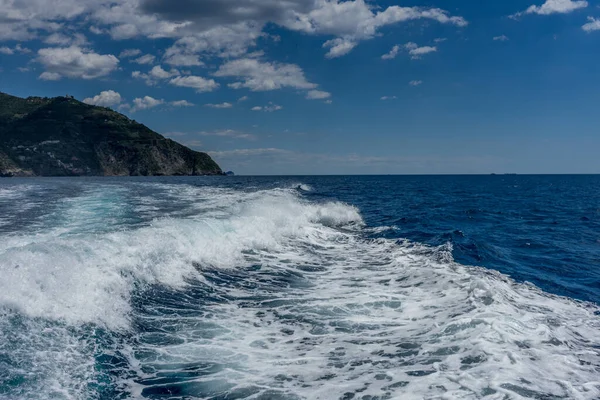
{"x": 501, "y": 38}
{"x": 220, "y": 105}
{"x": 415, "y": 83}
{"x": 183, "y": 60}
{"x": 146, "y": 102}
{"x": 195, "y": 82}
{"x": 50, "y": 76}
{"x": 181, "y": 103}
{"x": 317, "y": 95}
{"x": 263, "y": 76}
{"x": 592, "y": 25}
{"x": 388, "y": 98}
{"x": 107, "y": 98}
{"x": 60, "y": 39}
{"x": 223, "y": 41}
{"x": 392, "y": 53}
{"x": 14, "y": 50}
{"x": 413, "y": 49}
{"x": 271, "y": 107}
{"x": 554, "y": 7}
{"x": 159, "y": 73}
{"x": 243, "y": 98}
{"x": 145, "y": 59}
{"x": 75, "y": 62}
{"x": 127, "y": 53}
{"x": 339, "y": 47}
{"x": 22, "y": 20}
{"x": 348, "y": 21}
{"x": 416, "y": 52}
{"x": 205, "y": 28}
{"x": 156, "y": 74}
{"x": 95, "y": 30}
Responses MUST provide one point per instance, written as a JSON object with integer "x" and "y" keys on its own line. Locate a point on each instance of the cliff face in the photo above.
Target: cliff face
{"x": 64, "y": 137}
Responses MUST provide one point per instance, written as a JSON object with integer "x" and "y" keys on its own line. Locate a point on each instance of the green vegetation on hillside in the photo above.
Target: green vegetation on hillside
{"x": 64, "y": 137}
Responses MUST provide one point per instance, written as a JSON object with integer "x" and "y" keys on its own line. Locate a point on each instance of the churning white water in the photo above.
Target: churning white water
{"x": 177, "y": 291}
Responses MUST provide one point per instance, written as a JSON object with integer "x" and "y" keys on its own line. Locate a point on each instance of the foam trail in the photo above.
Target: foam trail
{"x": 409, "y": 324}
{"x": 263, "y": 293}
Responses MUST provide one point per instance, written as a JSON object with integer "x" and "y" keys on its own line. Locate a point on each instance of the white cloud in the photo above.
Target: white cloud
{"x": 159, "y": 73}
{"x": 156, "y": 74}
{"x": 145, "y": 103}
{"x": 95, "y": 30}
{"x": 75, "y": 62}
{"x": 181, "y": 103}
{"x": 50, "y": 76}
{"x": 392, "y": 53}
{"x": 59, "y": 39}
{"x": 268, "y": 108}
{"x": 127, "y": 53}
{"x": 231, "y": 40}
{"x": 229, "y": 28}
{"x": 17, "y": 49}
{"x": 228, "y": 133}
{"x": 415, "y": 83}
{"x": 317, "y": 95}
{"x": 592, "y": 25}
{"x": 243, "y": 98}
{"x": 416, "y": 52}
{"x": 195, "y": 82}
{"x": 352, "y": 21}
{"x": 439, "y": 40}
{"x": 184, "y": 60}
{"x": 264, "y": 76}
{"x": 339, "y": 47}
{"x": 145, "y": 59}
{"x": 24, "y": 19}
{"x": 249, "y": 152}
{"x": 501, "y": 38}
{"x": 106, "y": 98}
{"x": 216, "y": 28}
{"x": 388, "y": 98}
{"x": 220, "y": 105}
{"x": 141, "y": 75}
{"x": 554, "y": 7}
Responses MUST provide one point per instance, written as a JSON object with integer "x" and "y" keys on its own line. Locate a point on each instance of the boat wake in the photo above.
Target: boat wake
{"x": 266, "y": 295}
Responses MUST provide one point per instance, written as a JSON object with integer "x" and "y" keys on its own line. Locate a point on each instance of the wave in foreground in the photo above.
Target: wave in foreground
{"x": 266, "y": 295}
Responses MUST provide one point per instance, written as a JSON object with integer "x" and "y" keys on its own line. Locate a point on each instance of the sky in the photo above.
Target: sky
{"x": 328, "y": 86}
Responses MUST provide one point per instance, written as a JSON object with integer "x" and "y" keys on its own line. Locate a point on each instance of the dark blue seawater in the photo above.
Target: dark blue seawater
{"x": 541, "y": 229}
{"x": 333, "y": 287}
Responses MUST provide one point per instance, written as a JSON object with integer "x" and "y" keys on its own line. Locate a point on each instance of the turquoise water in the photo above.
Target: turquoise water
{"x": 300, "y": 288}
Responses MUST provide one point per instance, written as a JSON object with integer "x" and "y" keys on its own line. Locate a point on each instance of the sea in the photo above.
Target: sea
{"x": 306, "y": 287}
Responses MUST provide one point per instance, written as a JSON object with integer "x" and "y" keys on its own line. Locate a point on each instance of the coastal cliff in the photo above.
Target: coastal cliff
{"x": 62, "y": 136}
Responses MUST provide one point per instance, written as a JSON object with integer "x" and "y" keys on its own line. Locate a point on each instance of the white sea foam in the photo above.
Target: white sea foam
{"x": 364, "y": 317}
{"x": 398, "y": 321}
{"x": 51, "y": 361}
{"x": 88, "y": 277}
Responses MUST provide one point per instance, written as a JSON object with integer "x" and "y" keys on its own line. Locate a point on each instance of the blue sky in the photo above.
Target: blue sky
{"x": 325, "y": 86}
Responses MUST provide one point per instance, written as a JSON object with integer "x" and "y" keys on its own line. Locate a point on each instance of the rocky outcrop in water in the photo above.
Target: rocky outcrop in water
{"x": 64, "y": 137}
